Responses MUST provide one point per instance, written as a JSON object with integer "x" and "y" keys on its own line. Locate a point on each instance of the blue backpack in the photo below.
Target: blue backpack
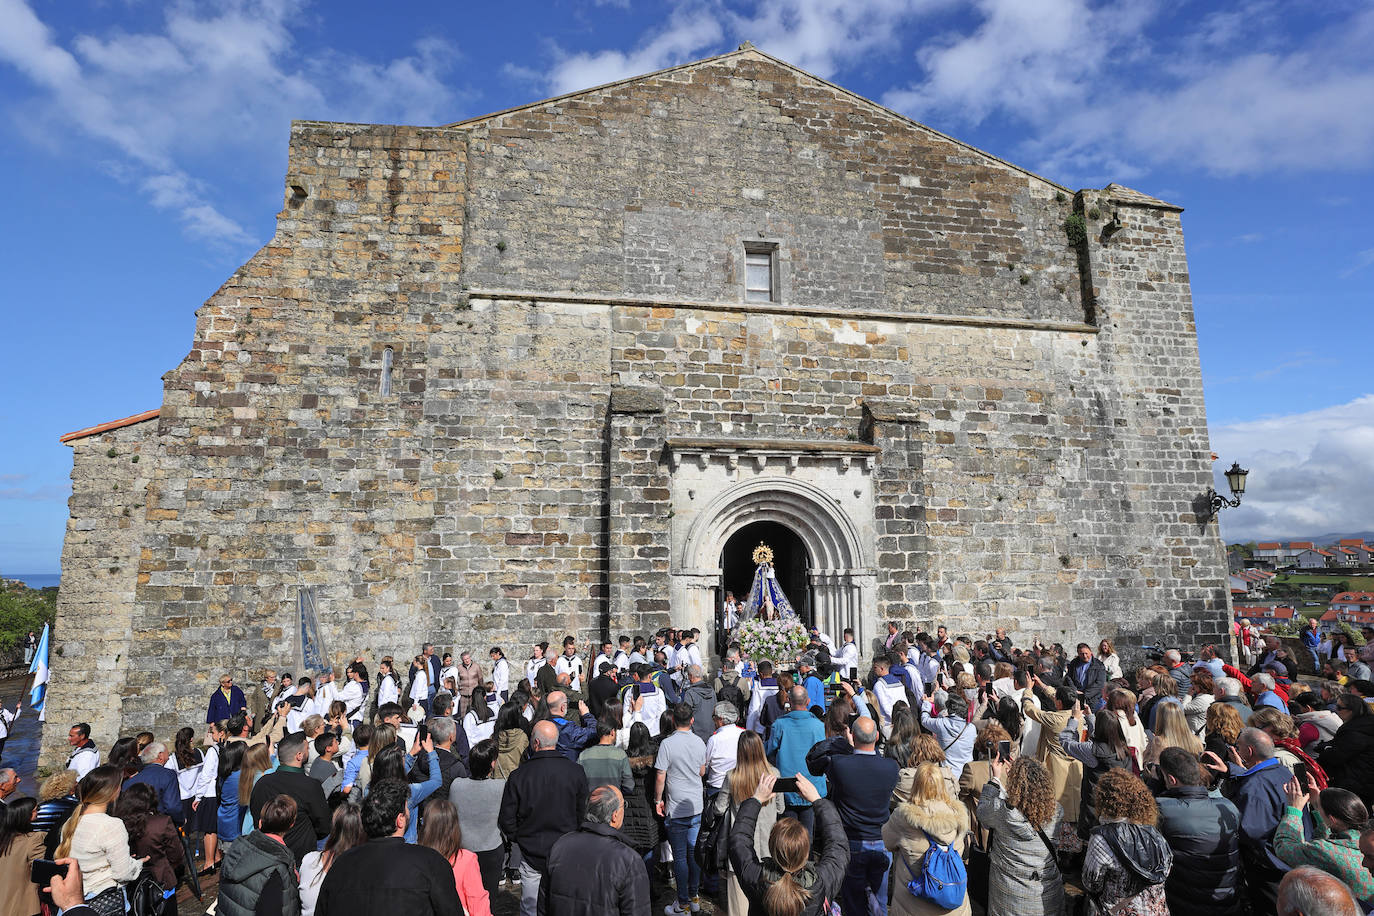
{"x": 943, "y": 879}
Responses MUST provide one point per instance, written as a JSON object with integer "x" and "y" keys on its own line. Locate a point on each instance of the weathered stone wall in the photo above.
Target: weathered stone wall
{"x": 651, "y": 188}
{"x": 92, "y": 641}
{"x": 561, "y": 291}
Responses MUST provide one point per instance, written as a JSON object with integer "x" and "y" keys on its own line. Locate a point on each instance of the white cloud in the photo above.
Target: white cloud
{"x": 816, "y": 35}
{"x": 690, "y": 29}
{"x": 214, "y": 79}
{"x": 1102, "y": 96}
{"x": 822, "y": 35}
{"x": 1309, "y": 472}
{"x": 1362, "y": 260}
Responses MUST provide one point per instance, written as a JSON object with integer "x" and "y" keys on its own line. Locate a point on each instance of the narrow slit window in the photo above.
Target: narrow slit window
{"x": 387, "y": 357}
{"x": 759, "y": 275}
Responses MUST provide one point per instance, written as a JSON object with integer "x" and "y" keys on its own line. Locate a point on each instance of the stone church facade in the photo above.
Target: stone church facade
{"x": 552, "y": 370}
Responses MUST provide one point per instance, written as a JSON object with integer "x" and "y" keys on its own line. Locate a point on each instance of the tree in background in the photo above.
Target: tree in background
{"x": 23, "y": 609}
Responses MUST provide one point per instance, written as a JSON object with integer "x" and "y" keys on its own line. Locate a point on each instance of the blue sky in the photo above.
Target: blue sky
{"x": 146, "y": 143}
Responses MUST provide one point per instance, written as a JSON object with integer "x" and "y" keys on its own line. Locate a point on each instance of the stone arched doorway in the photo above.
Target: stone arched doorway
{"x": 839, "y": 579}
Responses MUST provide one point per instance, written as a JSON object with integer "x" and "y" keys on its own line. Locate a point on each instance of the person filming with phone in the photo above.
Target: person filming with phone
{"x": 787, "y": 882}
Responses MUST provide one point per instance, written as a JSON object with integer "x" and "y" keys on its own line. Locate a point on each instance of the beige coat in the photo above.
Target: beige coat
{"x": 19, "y": 895}
{"x": 903, "y": 835}
{"x": 1066, "y": 773}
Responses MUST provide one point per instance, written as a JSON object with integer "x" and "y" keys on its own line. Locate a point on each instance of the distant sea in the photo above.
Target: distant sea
{"x": 35, "y": 580}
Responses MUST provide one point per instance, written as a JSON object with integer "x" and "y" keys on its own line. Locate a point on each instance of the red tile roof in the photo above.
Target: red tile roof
{"x": 1268, "y": 545}
{"x": 113, "y": 424}
{"x": 1352, "y": 542}
{"x": 1331, "y": 615}
{"x": 1301, "y": 545}
{"x": 1354, "y": 598}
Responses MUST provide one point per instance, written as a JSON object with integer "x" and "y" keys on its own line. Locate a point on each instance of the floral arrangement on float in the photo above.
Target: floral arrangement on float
{"x": 777, "y": 641}
{"x": 770, "y": 629}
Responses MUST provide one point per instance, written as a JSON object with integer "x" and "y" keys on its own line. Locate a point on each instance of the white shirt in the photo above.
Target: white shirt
{"x": 650, "y": 712}
{"x": 689, "y": 655}
{"x": 477, "y": 731}
{"x": 758, "y": 694}
{"x": 351, "y": 695}
{"x": 500, "y": 677}
{"x": 721, "y": 749}
{"x": 532, "y": 668}
{"x": 596, "y": 663}
{"x": 83, "y": 760}
{"x": 209, "y": 773}
{"x": 731, "y": 615}
{"x": 622, "y": 660}
{"x": 848, "y": 657}
{"x": 445, "y": 673}
{"x": 388, "y": 690}
{"x": 419, "y": 688}
{"x": 312, "y": 879}
{"x": 6, "y": 717}
{"x": 571, "y": 666}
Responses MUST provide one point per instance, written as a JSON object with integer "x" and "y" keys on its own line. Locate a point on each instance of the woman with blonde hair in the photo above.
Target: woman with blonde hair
{"x": 1127, "y": 859}
{"x": 925, "y": 748}
{"x": 1018, "y": 805}
{"x": 930, "y": 813}
{"x": 56, "y": 802}
{"x": 751, "y": 765}
{"x": 1171, "y": 730}
{"x": 786, "y": 882}
{"x": 99, "y": 842}
{"x": 257, "y": 760}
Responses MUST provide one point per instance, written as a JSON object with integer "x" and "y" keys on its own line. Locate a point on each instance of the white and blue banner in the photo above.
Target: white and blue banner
{"x": 39, "y": 669}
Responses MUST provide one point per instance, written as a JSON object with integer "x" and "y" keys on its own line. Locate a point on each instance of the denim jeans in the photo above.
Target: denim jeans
{"x": 869, "y": 863}
{"x": 682, "y": 836}
{"x": 529, "y": 889}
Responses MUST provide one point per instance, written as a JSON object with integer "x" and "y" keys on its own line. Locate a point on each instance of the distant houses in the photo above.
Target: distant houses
{"x": 1350, "y": 553}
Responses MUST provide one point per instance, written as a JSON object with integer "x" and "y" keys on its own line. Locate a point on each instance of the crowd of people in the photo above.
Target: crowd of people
{"x": 950, "y": 773}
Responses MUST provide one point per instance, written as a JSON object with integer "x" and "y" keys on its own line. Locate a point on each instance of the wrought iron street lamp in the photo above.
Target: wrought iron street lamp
{"x": 1235, "y": 479}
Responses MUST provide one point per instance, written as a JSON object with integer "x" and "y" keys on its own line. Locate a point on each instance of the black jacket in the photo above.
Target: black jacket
{"x": 1349, "y": 758}
{"x": 821, "y": 879}
{"x": 451, "y": 767}
{"x": 594, "y": 872}
{"x": 1204, "y": 833}
{"x": 544, "y": 798}
{"x": 641, "y": 822}
{"x": 388, "y": 876}
{"x": 1094, "y": 679}
{"x": 312, "y": 810}
{"x": 600, "y": 691}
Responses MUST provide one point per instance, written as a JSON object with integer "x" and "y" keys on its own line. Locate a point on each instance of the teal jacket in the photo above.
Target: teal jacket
{"x": 792, "y": 736}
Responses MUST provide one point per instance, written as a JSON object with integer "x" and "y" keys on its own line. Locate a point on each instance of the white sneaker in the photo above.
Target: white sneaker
{"x": 695, "y": 903}
{"x": 675, "y": 909}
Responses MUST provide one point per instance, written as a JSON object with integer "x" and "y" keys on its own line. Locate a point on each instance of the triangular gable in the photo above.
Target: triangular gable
{"x": 747, "y": 50}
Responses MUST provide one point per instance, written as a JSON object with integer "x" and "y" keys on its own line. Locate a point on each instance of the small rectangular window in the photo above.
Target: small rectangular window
{"x": 760, "y": 275}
